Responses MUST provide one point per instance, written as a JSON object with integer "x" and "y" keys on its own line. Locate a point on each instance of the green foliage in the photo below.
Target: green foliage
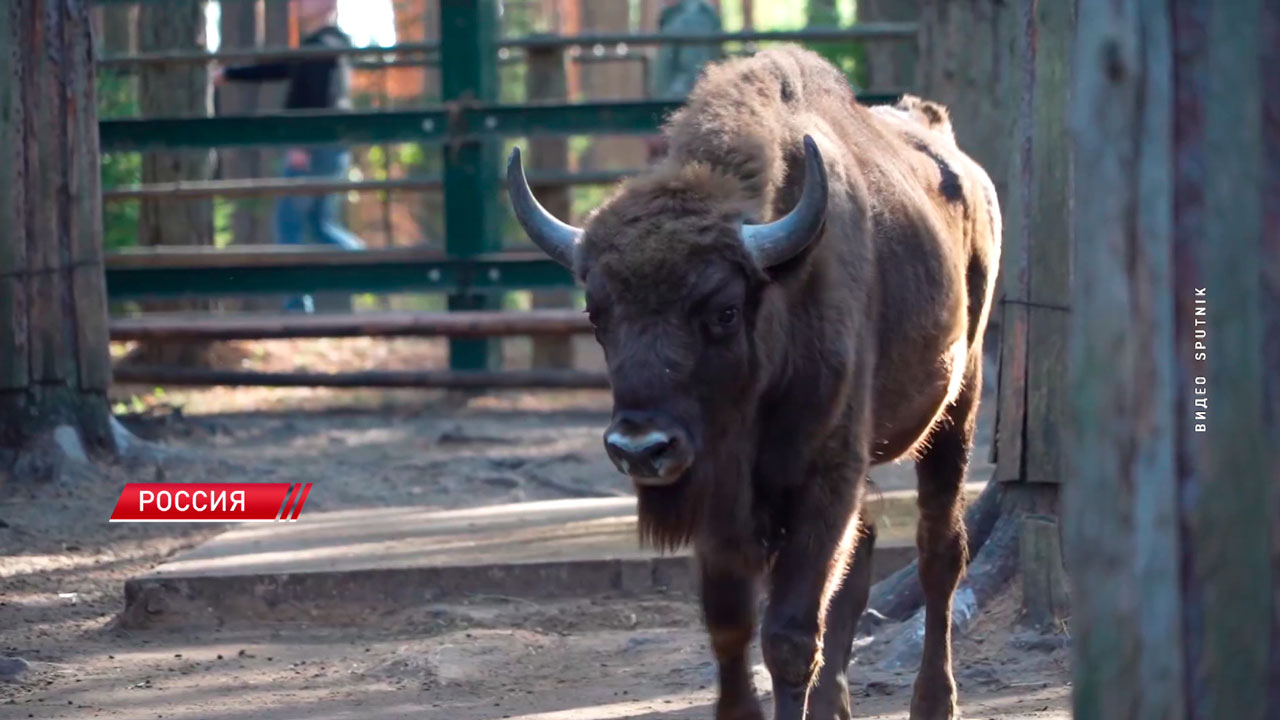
{"x": 117, "y": 97}
{"x": 223, "y": 212}
{"x": 851, "y": 58}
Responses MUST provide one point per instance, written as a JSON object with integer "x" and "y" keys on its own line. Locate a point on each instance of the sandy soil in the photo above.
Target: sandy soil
{"x": 62, "y": 567}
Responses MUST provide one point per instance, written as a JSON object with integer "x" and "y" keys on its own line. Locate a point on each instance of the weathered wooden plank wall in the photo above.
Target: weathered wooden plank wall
{"x": 1049, "y": 250}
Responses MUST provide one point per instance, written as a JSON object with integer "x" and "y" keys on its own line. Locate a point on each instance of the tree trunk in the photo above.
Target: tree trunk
{"x": 54, "y": 361}
{"x": 1174, "y": 356}
{"x": 180, "y": 89}
{"x": 891, "y": 65}
{"x": 177, "y": 90}
{"x": 248, "y": 24}
{"x": 822, "y": 13}
{"x": 545, "y": 81}
{"x": 241, "y": 26}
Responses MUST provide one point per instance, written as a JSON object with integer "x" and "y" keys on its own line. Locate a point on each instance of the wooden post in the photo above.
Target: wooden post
{"x": 54, "y": 359}
{"x": 1175, "y": 491}
{"x": 546, "y": 80}
{"x": 611, "y": 80}
{"x": 242, "y": 26}
{"x": 892, "y": 65}
{"x": 1045, "y": 601}
{"x": 119, "y": 28}
{"x": 1011, "y": 318}
{"x": 181, "y": 90}
{"x": 822, "y": 13}
{"x": 1036, "y": 271}
{"x": 1049, "y": 259}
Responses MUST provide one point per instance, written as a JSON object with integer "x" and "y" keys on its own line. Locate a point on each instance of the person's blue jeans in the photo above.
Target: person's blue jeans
{"x": 314, "y": 218}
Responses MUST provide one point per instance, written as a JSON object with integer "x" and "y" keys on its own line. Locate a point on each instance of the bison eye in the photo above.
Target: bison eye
{"x": 722, "y": 324}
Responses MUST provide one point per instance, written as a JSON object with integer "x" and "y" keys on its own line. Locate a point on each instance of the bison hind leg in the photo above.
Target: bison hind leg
{"x": 940, "y": 540}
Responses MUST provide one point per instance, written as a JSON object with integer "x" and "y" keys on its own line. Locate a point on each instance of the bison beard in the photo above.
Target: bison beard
{"x": 796, "y": 292}
{"x": 668, "y": 514}
{"x": 710, "y": 506}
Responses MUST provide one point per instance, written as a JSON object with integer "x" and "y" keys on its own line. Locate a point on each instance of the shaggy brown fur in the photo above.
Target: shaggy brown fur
{"x": 792, "y": 381}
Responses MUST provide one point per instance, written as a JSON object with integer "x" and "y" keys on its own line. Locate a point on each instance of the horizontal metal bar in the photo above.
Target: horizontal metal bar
{"x": 374, "y": 59}
{"x": 862, "y": 31}
{"x": 363, "y": 271}
{"x": 239, "y": 256}
{"x": 428, "y": 125}
{"x": 153, "y": 2}
{"x": 467, "y": 379}
{"x": 268, "y": 187}
{"x": 257, "y": 55}
{"x": 260, "y": 326}
{"x": 620, "y": 42}
{"x": 263, "y": 187}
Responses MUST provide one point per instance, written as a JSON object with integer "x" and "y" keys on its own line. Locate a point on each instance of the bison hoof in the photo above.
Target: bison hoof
{"x": 941, "y": 714}
{"x": 748, "y": 709}
{"x": 829, "y": 700}
{"x": 934, "y": 700}
{"x": 828, "y": 711}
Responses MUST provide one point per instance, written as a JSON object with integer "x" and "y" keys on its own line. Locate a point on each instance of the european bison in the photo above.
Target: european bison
{"x": 796, "y": 293}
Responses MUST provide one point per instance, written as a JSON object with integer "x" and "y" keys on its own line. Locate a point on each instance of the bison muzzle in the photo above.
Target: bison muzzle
{"x": 797, "y": 292}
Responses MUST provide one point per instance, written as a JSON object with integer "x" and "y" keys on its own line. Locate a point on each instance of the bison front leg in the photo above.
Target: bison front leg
{"x": 729, "y": 610}
{"x": 822, "y": 527}
{"x": 829, "y": 697}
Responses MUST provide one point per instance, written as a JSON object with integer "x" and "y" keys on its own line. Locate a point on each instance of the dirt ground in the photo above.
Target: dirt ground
{"x": 62, "y": 568}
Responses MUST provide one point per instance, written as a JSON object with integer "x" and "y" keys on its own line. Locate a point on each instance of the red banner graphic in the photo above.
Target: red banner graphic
{"x": 211, "y": 502}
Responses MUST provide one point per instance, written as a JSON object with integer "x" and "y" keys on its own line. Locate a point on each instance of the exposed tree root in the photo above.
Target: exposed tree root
{"x": 61, "y": 455}
{"x": 991, "y": 570}
{"x": 898, "y": 597}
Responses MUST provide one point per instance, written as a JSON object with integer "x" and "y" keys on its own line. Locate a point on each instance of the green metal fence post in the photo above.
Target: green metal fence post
{"x": 469, "y": 73}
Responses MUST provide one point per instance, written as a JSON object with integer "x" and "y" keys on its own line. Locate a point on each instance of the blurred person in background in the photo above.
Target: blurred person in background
{"x": 676, "y": 67}
{"x": 322, "y": 83}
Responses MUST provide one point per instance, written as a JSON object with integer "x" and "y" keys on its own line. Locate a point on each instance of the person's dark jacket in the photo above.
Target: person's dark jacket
{"x": 319, "y": 83}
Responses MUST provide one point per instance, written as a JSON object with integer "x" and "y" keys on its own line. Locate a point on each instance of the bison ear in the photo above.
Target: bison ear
{"x": 555, "y": 238}
{"x": 777, "y": 242}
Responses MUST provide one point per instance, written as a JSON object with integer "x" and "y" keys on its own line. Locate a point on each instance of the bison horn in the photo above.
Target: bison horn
{"x": 784, "y": 238}
{"x": 556, "y": 239}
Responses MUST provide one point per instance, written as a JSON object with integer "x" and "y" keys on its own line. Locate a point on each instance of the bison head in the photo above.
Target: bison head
{"x": 674, "y": 278}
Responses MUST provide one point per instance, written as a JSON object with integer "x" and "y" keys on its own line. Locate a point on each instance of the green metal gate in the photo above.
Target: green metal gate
{"x": 470, "y": 124}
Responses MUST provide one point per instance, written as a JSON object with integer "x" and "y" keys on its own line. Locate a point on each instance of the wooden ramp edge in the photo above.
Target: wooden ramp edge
{"x": 356, "y": 566}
